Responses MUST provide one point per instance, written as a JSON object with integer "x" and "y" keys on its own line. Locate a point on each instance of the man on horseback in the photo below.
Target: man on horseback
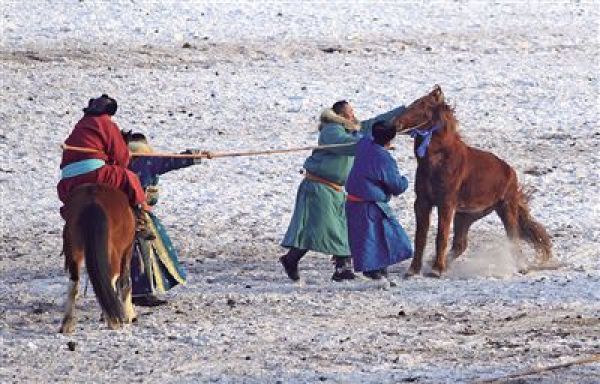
{"x": 105, "y": 160}
{"x": 319, "y": 219}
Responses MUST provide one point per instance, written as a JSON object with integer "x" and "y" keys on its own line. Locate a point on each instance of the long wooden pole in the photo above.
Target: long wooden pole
{"x": 212, "y": 155}
{"x": 586, "y": 360}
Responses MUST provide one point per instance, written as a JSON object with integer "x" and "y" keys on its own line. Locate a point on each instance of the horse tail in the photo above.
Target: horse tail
{"x": 93, "y": 225}
{"x": 532, "y": 231}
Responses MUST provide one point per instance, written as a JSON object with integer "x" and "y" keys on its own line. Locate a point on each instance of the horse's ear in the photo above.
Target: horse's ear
{"x": 127, "y": 135}
{"x": 438, "y": 94}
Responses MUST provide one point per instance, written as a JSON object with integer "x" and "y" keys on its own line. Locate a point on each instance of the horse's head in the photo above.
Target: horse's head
{"x": 422, "y": 113}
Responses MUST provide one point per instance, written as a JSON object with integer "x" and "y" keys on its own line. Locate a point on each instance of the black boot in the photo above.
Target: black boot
{"x": 374, "y": 275}
{"x": 290, "y": 262}
{"x": 148, "y": 301}
{"x": 141, "y": 224}
{"x": 343, "y": 269}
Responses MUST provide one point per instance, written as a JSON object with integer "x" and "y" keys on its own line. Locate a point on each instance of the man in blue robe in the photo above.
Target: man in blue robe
{"x": 377, "y": 240}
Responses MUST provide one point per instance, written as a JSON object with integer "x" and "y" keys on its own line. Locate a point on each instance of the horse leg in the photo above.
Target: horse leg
{"x": 462, "y": 224}
{"x": 73, "y": 264}
{"x": 531, "y": 231}
{"x": 113, "y": 324}
{"x": 509, "y": 215}
{"x": 114, "y": 269}
{"x": 125, "y": 285}
{"x": 445, "y": 214}
{"x": 422, "y": 214}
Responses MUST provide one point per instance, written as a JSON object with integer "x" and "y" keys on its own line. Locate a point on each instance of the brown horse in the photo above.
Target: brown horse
{"x": 100, "y": 228}
{"x": 464, "y": 183}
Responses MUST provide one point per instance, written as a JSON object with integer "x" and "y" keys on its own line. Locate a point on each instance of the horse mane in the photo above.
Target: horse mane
{"x": 446, "y": 115}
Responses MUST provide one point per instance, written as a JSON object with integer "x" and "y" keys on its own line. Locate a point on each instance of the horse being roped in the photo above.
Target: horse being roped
{"x": 100, "y": 229}
{"x": 464, "y": 183}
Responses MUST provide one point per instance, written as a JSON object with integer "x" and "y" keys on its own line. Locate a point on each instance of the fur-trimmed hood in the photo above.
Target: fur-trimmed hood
{"x": 140, "y": 147}
{"x": 329, "y": 116}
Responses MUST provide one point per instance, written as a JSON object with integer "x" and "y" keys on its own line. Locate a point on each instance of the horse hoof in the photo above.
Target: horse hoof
{"x": 66, "y": 329}
{"x": 114, "y": 325}
{"x": 434, "y": 274}
{"x": 410, "y": 273}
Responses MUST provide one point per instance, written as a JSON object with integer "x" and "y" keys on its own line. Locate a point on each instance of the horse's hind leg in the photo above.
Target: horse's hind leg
{"x": 509, "y": 215}
{"x": 73, "y": 264}
{"x": 125, "y": 285}
{"x": 112, "y": 323}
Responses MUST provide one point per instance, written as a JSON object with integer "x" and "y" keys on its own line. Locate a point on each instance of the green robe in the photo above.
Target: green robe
{"x": 319, "y": 219}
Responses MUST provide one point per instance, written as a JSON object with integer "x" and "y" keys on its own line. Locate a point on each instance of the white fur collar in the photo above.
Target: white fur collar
{"x": 329, "y": 116}
{"x": 140, "y": 147}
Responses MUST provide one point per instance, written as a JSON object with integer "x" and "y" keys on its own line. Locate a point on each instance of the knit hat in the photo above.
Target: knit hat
{"x": 101, "y": 105}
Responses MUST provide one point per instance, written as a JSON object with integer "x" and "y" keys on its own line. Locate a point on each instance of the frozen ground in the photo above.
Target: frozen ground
{"x": 523, "y": 78}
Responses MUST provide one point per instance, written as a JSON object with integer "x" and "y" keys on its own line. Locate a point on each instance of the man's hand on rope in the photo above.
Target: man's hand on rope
{"x": 197, "y": 160}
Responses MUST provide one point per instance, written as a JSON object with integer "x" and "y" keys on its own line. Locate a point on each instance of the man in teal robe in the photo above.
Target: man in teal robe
{"x": 319, "y": 219}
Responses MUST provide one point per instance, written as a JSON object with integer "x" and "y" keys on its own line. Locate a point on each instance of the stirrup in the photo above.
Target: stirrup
{"x": 144, "y": 234}
{"x": 141, "y": 228}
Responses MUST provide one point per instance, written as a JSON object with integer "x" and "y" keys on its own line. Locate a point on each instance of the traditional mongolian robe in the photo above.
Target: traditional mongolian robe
{"x": 155, "y": 266}
{"x": 107, "y": 166}
{"x": 319, "y": 219}
{"x": 376, "y": 238}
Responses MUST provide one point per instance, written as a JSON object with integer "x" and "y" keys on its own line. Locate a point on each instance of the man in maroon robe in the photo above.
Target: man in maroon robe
{"x": 108, "y": 165}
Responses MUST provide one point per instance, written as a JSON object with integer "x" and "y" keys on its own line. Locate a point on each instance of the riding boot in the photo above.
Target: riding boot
{"x": 375, "y": 274}
{"x": 141, "y": 224}
{"x": 148, "y": 301}
{"x": 343, "y": 268}
{"x": 290, "y": 262}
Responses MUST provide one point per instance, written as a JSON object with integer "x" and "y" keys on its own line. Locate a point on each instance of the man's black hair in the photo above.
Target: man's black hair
{"x": 101, "y": 105}
{"x": 338, "y": 106}
{"x": 383, "y": 133}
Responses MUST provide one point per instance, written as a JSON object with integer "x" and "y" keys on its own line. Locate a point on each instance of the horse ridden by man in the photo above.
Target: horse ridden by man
{"x": 99, "y": 229}
{"x": 101, "y": 200}
{"x": 464, "y": 183}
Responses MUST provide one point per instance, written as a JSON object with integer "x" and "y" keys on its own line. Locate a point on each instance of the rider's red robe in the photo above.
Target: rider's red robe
{"x": 101, "y": 133}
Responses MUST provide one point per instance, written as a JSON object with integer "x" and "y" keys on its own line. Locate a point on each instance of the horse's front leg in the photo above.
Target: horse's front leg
{"x": 445, "y": 216}
{"x": 422, "y": 213}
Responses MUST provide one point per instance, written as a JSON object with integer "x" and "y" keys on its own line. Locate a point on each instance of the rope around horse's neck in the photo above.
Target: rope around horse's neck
{"x": 416, "y": 127}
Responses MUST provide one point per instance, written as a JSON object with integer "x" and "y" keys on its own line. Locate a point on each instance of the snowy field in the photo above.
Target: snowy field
{"x": 523, "y": 77}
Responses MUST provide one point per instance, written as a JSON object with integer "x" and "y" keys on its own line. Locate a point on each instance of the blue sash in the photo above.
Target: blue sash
{"x": 81, "y": 167}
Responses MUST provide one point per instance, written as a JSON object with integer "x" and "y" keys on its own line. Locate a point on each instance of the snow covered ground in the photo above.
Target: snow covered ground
{"x": 524, "y": 80}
